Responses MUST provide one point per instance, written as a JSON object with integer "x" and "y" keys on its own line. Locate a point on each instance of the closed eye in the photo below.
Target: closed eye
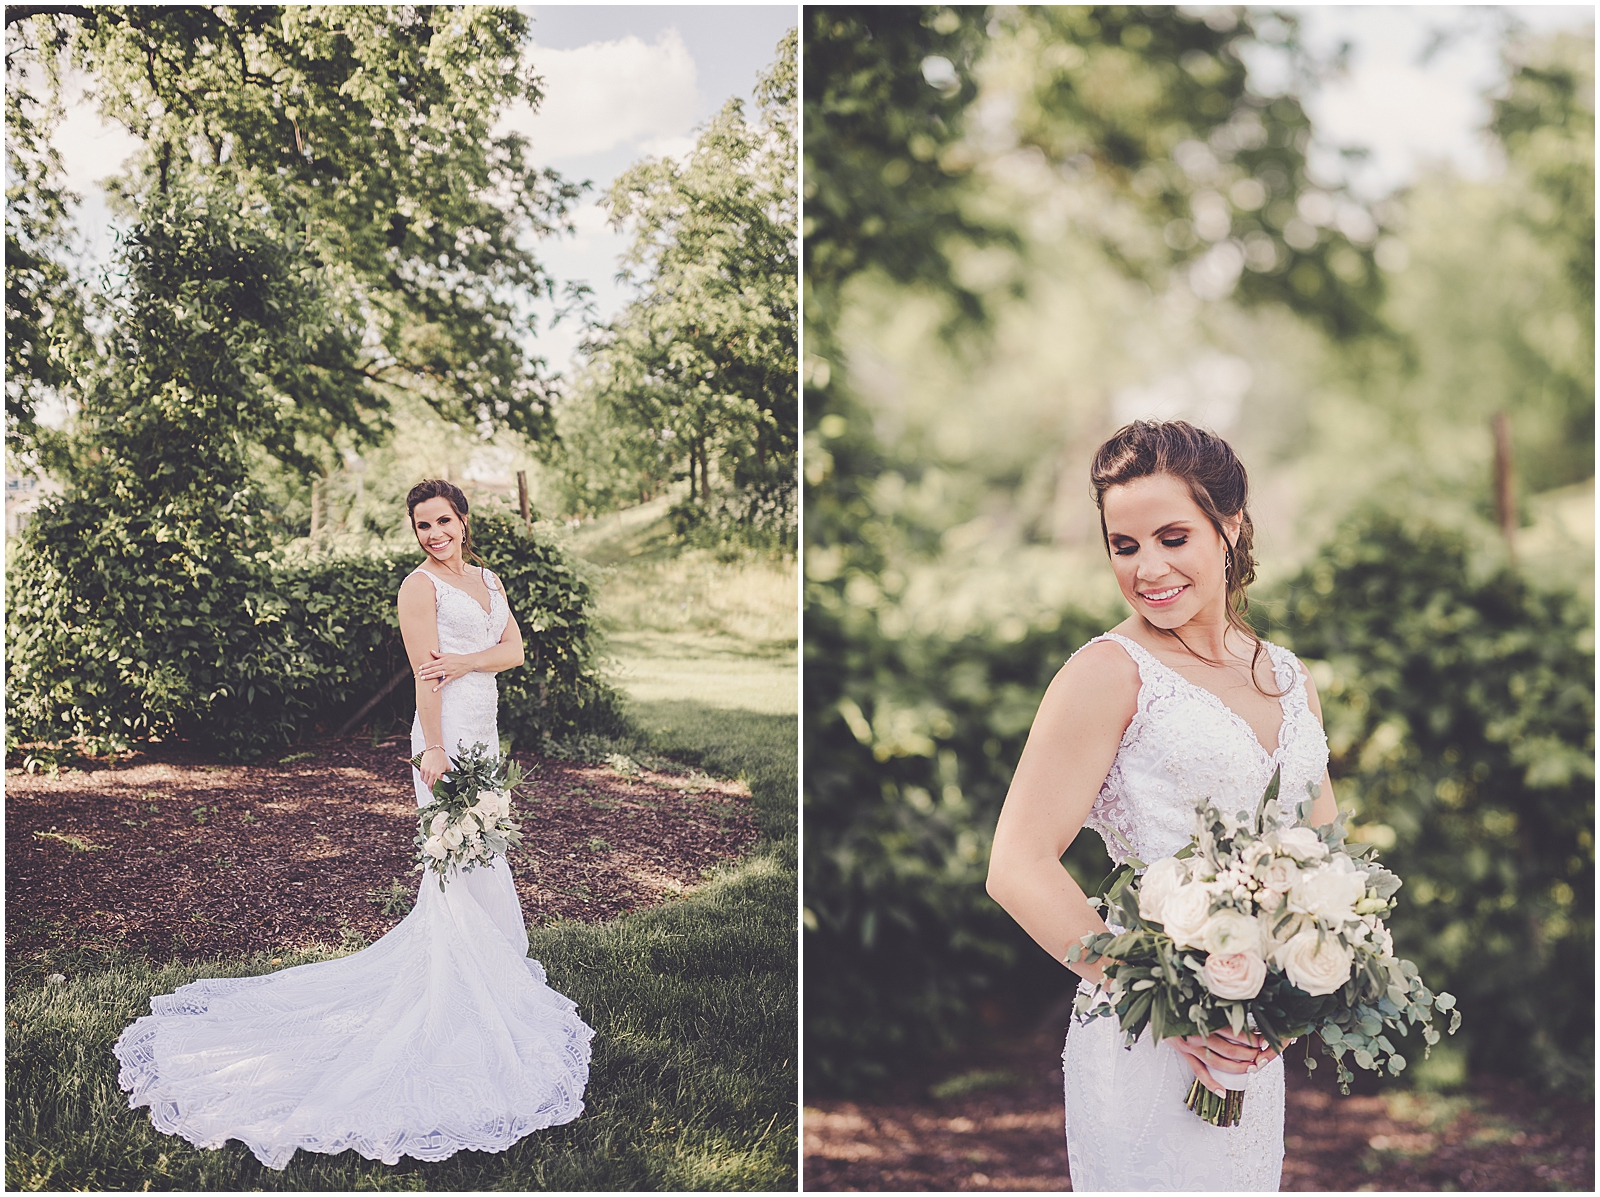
{"x": 1179, "y": 542}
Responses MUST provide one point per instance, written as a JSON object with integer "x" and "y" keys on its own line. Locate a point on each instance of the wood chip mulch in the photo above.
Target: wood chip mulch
{"x": 1005, "y": 1133}
{"x": 175, "y": 858}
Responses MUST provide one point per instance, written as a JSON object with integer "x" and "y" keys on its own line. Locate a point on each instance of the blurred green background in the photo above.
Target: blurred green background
{"x": 1024, "y": 227}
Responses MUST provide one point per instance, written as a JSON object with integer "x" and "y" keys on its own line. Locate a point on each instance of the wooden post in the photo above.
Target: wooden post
{"x": 1505, "y": 491}
{"x": 522, "y": 499}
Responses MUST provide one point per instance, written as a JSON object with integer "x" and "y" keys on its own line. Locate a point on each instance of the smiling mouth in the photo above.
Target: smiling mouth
{"x": 437, "y": 545}
{"x": 1162, "y": 596}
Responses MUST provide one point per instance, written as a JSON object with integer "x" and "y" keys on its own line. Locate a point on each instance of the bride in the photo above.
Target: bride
{"x": 1181, "y": 701}
{"x": 442, "y": 1035}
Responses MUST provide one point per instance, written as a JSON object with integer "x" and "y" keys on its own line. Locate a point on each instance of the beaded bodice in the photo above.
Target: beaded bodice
{"x": 1184, "y": 744}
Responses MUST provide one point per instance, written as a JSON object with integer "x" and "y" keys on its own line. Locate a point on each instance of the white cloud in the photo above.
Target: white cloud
{"x": 608, "y": 94}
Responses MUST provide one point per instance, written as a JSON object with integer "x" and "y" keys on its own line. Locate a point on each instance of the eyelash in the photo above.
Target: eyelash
{"x": 1127, "y": 550}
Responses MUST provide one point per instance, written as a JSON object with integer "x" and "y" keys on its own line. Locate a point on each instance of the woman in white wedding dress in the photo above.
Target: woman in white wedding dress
{"x": 441, "y": 1036}
{"x": 1179, "y": 702}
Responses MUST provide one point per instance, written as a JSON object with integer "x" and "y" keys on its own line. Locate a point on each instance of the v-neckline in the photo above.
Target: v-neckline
{"x": 1283, "y": 710}
{"x": 487, "y": 611}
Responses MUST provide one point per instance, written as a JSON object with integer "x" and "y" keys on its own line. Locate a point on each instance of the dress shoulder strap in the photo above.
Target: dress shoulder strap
{"x": 1141, "y": 655}
{"x": 437, "y": 582}
{"x": 489, "y": 580}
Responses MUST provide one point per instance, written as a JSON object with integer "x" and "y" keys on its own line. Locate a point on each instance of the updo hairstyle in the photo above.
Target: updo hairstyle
{"x": 1216, "y": 479}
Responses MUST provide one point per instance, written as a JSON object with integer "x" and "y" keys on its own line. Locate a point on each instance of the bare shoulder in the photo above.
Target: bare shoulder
{"x": 415, "y": 588}
{"x": 1101, "y": 678}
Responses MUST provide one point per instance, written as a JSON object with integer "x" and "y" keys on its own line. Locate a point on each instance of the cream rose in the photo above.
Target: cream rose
{"x": 1187, "y": 909}
{"x": 453, "y": 836}
{"x": 1302, "y": 843}
{"x": 1330, "y": 893}
{"x": 1160, "y": 881}
{"x": 1234, "y": 974}
{"x": 440, "y": 822}
{"x": 1280, "y": 875}
{"x": 1228, "y": 933}
{"x": 1317, "y": 964}
{"x": 435, "y": 847}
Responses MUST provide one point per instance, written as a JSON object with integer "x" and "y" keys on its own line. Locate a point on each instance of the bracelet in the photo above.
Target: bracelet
{"x": 431, "y": 747}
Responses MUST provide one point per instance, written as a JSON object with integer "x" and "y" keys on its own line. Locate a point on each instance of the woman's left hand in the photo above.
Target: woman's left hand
{"x": 445, "y": 667}
{"x": 1227, "y": 1052}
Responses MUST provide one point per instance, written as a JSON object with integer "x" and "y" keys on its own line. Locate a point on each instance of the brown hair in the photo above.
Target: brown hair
{"x": 1215, "y": 476}
{"x": 437, "y": 488}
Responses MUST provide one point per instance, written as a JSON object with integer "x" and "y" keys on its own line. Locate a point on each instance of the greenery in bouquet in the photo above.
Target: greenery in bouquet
{"x": 469, "y": 822}
{"x": 1267, "y": 924}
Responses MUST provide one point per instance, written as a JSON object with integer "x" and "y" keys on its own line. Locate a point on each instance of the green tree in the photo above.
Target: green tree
{"x": 366, "y": 130}
{"x": 318, "y": 214}
{"x": 704, "y": 359}
{"x": 1180, "y": 175}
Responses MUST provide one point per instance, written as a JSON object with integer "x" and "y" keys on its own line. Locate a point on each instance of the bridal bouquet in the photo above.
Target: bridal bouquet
{"x": 1262, "y": 924}
{"x": 468, "y": 822}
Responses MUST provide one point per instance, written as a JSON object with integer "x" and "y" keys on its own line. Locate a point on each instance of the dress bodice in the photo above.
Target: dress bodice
{"x": 464, "y": 626}
{"x": 467, "y": 708}
{"x": 1185, "y": 744}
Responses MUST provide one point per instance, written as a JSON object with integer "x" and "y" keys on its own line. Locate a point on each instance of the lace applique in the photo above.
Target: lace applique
{"x": 1184, "y": 743}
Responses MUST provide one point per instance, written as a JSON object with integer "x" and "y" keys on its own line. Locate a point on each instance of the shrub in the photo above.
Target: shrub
{"x": 125, "y": 626}
{"x": 1459, "y": 703}
{"x": 909, "y": 749}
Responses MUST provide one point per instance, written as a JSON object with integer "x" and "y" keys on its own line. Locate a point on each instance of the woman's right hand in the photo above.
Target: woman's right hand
{"x": 1224, "y": 1051}
{"x": 435, "y": 764}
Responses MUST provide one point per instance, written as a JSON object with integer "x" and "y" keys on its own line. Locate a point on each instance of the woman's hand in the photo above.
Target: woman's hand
{"x": 435, "y": 764}
{"x": 1224, "y": 1051}
{"x": 446, "y": 667}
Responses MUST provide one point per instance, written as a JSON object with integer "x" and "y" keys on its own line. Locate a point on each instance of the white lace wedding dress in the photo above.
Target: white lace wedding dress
{"x": 441, "y": 1036}
{"x": 1127, "y": 1127}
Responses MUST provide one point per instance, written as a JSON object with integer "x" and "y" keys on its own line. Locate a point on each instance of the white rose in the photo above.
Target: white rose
{"x": 1160, "y": 881}
{"x": 435, "y": 847}
{"x": 1187, "y": 910}
{"x": 440, "y": 822}
{"x": 1199, "y": 866}
{"x": 1302, "y": 843}
{"x": 1268, "y": 899}
{"x": 1317, "y": 964}
{"x": 1330, "y": 893}
{"x": 1280, "y": 875}
{"x": 453, "y": 836}
{"x": 1234, "y": 974}
{"x": 1255, "y": 851}
{"x": 1229, "y": 932}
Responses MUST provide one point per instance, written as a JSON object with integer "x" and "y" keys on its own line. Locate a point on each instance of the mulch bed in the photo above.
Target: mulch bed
{"x": 175, "y": 858}
{"x": 1497, "y": 1136}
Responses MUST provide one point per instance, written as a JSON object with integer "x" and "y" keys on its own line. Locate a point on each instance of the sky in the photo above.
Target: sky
{"x": 625, "y": 81}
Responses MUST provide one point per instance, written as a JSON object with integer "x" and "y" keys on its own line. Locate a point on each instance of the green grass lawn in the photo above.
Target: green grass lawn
{"x": 694, "y": 1004}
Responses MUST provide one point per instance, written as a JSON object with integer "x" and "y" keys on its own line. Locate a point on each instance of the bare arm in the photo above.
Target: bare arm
{"x": 1070, "y": 750}
{"x": 419, "y": 629}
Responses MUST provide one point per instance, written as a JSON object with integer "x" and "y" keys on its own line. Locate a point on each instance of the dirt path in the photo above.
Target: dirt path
{"x": 173, "y": 857}
{"x": 998, "y": 1127}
